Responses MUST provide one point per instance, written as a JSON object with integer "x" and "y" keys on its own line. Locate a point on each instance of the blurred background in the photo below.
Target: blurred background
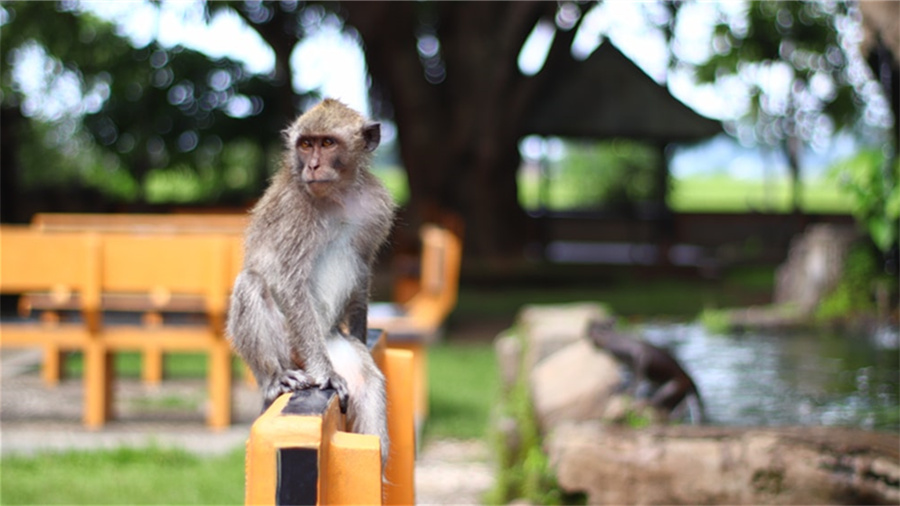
{"x": 532, "y": 122}
{"x": 660, "y": 157}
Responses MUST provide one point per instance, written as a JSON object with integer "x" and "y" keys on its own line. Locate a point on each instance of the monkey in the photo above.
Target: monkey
{"x": 676, "y": 390}
{"x": 298, "y": 308}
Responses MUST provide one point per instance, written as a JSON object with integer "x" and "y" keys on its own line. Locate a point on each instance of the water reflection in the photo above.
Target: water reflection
{"x": 808, "y": 378}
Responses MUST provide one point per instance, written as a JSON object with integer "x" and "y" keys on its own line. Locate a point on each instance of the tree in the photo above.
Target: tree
{"x": 446, "y": 73}
{"x": 799, "y": 45}
{"x": 147, "y": 108}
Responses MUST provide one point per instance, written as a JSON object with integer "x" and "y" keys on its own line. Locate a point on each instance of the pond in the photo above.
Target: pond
{"x": 790, "y": 378}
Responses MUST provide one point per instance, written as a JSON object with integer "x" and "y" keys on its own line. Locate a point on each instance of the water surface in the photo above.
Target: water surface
{"x": 796, "y": 378}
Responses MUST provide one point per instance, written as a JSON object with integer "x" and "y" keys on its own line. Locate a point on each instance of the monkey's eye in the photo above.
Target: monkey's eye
{"x": 327, "y": 142}
{"x": 304, "y": 144}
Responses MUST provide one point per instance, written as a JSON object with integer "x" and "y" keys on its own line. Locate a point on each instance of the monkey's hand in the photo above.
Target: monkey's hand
{"x": 339, "y": 384}
{"x": 290, "y": 380}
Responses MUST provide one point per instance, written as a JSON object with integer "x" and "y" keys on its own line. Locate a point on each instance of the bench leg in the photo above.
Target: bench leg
{"x": 52, "y": 368}
{"x": 152, "y": 366}
{"x": 98, "y": 385}
{"x": 219, "y": 416}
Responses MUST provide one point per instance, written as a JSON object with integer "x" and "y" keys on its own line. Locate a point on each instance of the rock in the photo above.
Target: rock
{"x": 551, "y": 327}
{"x": 814, "y": 266}
{"x": 508, "y": 350}
{"x": 718, "y": 465}
{"x": 574, "y": 383}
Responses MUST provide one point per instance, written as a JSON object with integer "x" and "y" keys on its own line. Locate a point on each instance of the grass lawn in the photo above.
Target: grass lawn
{"x": 730, "y": 195}
{"x": 123, "y": 476}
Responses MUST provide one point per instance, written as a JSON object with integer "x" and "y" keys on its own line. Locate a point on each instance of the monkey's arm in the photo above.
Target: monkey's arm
{"x": 258, "y": 332}
{"x": 285, "y": 354}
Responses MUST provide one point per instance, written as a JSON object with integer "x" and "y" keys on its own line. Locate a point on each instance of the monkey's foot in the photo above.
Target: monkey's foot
{"x": 290, "y": 381}
{"x": 339, "y": 384}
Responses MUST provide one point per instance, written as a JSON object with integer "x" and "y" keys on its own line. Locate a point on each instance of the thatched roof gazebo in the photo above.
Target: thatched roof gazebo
{"x": 608, "y": 96}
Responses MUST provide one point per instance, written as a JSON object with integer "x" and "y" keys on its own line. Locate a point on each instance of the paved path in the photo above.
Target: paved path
{"x": 34, "y": 417}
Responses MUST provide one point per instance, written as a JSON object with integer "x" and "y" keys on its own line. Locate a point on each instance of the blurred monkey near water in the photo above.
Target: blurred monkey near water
{"x": 298, "y": 308}
{"x": 675, "y": 392}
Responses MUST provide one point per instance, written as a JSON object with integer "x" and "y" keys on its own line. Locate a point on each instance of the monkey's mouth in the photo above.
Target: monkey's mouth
{"x": 312, "y": 182}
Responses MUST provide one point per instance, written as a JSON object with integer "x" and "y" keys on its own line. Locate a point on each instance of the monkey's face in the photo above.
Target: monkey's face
{"x": 331, "y": 144}
{"x": 323, "y": 166}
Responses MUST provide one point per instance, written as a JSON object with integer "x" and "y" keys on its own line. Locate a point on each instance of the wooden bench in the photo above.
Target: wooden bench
{"x": 67, "y": 266}
{"x": 159, "y": 268}
{"x": 142, "y": 223}
{"x": 416, "y": 323}
{"x": 76, "y": 268}
{"x": 231, "y": 225}
{"x": 299, "y": 452}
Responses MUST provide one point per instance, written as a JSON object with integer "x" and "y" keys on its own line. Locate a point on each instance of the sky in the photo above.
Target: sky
{"x": 334, "y": 63}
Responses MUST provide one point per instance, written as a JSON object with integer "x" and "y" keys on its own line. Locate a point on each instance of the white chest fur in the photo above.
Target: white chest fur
{"x": 335, "y": 274}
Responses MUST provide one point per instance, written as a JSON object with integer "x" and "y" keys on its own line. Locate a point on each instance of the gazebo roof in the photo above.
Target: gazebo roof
{"x": 608, "y": 96}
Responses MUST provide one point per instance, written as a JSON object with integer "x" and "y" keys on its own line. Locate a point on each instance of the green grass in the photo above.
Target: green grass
{"x": 717, "y": 193}
{"x": 462, "y": 385}
{"x": 727, "y": 194}
{"x": 123, "y": 476}
{"x": 632, "y": 299}
{"x": 175, "y": 365}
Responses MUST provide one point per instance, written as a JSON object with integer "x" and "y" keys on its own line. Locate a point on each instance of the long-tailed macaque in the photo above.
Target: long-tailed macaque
{"x": 675, "y": 389}
{"x": 298, "y": 308}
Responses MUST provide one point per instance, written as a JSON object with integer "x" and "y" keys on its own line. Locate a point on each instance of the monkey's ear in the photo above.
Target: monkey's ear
{"x": 372, "y": 135}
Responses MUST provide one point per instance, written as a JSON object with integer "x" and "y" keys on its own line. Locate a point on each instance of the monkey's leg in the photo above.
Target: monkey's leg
{"x": 669, "y": 395}
{"x": 367, "y": 406}
{"x": 259, "y": 333}
{"x": 356, "y": 311}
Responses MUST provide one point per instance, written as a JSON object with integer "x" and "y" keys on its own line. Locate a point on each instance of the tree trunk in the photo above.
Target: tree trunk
{"x": 459, "y": 112}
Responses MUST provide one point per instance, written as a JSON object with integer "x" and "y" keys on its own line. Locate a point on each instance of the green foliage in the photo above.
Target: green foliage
{"x": 638, "y": 419}
{"x": 614, "y": 174}
{"x": 525, "y": 472}
{"x": 394, "y": 178}
{"x": 874, "y": 192}
{"x": 150, "y": 475}
{"x": 716, "y": 321}
{"x": 801, "y": 38}
{"x": 154, "y": 124}
{"x": 853, "y": 294}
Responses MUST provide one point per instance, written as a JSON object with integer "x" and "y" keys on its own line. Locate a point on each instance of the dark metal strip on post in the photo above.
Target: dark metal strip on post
{"x": 298, "y": 468}
{"x": 298, "y": 477}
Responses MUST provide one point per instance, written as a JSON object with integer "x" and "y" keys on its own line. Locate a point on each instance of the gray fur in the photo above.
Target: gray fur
{"x": 306, "y": 274}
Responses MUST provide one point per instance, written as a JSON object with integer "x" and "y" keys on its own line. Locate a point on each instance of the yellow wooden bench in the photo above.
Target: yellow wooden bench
{"x": 187, "y": 223}
{"x": 298, "y": 452}
{"x": 76, "y": 268}
{"x": 231, "y": 225}
{"x": 158, "y": 268}
{"x": 67, "y": 266}
{"x": 416, "y": 323}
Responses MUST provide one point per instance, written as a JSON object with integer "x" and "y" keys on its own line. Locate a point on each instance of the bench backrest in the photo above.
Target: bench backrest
{"x": 441, "y": 259}
{"x": 162, "y": 266}
{"x": 59, "y": 263}
{"x": 143, "y": 223}
{"x": 65, "y": 265}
